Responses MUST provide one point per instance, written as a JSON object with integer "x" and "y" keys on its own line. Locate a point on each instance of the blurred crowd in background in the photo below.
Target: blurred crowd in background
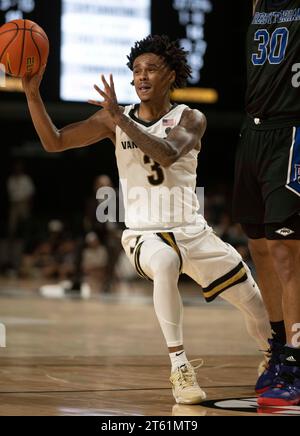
{"x": 56, "y": 252}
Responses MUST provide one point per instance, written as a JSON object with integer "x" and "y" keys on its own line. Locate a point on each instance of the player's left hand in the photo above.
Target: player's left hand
{"x": 110, "y": 102}
{"x": 31, "y": 84}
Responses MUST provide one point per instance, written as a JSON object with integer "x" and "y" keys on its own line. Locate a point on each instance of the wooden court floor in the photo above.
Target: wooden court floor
{"x": 106, "y": 356}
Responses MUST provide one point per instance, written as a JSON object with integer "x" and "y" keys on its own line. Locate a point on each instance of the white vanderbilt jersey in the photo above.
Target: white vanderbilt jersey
{"x": 156, "y": 198}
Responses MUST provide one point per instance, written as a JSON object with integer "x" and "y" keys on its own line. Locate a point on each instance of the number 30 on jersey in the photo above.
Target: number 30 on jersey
{"x": 270, "y": 48}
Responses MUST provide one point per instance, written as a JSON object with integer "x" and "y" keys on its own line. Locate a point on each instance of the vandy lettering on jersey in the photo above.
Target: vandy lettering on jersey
{"x": 156, "y": 198}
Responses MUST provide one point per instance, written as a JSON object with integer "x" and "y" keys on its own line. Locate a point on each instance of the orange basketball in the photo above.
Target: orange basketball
{"x": 24, "y": 47}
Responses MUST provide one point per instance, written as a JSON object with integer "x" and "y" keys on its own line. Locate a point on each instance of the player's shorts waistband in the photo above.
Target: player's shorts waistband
{"x": 256, "y": 123}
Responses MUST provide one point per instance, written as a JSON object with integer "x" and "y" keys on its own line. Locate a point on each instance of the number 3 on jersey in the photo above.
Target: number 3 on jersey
{"x": 158, "y": 177}
{"x": 271, "y": 48}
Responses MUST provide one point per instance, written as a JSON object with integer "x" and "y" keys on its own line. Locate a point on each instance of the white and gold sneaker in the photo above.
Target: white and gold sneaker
{"x": 185, "y": 386}
{"x": 263, "y": 364}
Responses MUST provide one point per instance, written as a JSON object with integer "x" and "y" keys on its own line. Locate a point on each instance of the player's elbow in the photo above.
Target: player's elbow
{"x": 48, "y": 147}
{"x": 57, "y": 143}
{"x": 167, "y": 162}
{"x": 52, "y": 146}
{"x": 170, "y": 157}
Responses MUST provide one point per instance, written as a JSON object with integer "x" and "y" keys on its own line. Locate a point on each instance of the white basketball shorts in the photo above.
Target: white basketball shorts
{"x": 212, "y": 263}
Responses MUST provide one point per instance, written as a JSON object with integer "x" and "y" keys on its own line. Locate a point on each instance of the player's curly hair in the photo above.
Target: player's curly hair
{"x": 174, "y": 56}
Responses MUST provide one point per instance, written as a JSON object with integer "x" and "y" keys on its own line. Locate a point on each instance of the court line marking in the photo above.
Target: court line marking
{"x": 115, "y": 390}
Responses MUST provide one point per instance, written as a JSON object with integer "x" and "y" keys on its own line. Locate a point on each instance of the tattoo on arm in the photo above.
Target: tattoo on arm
{"x": 157, "y": 148}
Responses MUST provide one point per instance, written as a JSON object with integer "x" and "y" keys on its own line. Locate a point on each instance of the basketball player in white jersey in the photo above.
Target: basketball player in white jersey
{"x": 157, "y": 144}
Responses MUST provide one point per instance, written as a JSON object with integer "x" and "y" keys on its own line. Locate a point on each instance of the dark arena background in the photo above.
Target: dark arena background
{"x": 79, "y": 334}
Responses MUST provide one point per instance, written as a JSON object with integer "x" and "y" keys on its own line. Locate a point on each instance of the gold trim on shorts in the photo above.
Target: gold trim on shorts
{"x": 235, "y": 276}
{"x": 166, "y": 237}
{"x": 137, "y": 264}
{"x": 170, "y": 240}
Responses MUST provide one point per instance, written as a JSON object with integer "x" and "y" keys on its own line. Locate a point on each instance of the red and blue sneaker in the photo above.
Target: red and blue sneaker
{"x": 272, "y": 368}
{"x": 285, "y": 390}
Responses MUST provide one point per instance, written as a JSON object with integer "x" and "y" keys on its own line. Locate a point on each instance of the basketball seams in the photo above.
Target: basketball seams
{"x": 23, "y": 47}
{"x": 22, "y": 52}
{"x": 10, "y": 30}
{"x": 37, "y": 47}
{"x": 28, "y": 30}
{"x": 13, "y": 38}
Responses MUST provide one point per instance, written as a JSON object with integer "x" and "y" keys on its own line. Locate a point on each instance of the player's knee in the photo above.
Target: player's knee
{"x": 165, "y": 262}
{"x": 242, "y": 292}
{"x": 286, "y": 259}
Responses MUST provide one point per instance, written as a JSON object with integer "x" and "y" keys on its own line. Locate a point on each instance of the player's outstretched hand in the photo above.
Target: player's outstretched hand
{"x": 31, "y": 84}
{"x": 110, "y": 102}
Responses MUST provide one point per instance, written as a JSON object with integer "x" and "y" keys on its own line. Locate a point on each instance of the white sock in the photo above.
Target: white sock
{"x": 178, "y": 359}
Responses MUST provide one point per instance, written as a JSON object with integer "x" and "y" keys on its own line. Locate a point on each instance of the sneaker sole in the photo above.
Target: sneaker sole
{"x": 181, "y": 401}
{"x": 277, "y": 402}
{"x": 197, "y": 400}
{"x": 262, "y": 391}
